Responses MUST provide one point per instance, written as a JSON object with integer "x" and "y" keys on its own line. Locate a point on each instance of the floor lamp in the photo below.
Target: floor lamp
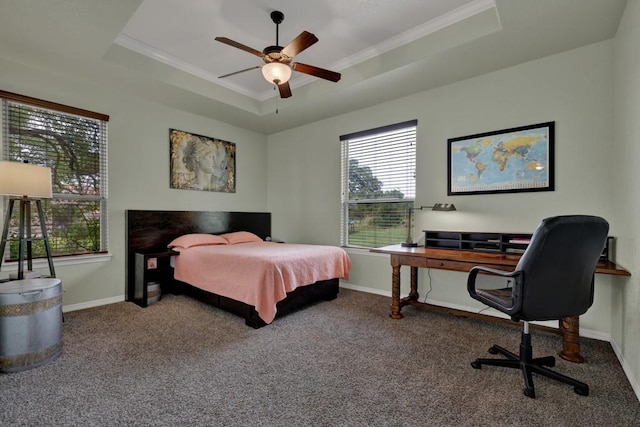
{"x": 24, "y": 182}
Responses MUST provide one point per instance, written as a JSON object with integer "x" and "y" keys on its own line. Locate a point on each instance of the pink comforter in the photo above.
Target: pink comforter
{"x": 259, "y": 273}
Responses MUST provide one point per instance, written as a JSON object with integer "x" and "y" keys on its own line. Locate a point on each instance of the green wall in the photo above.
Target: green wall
{"x": 624, "y": 171}
{"x": 575, "y": 89}
{"x": 138, "y": 169}
{"x": 592, "y": 93}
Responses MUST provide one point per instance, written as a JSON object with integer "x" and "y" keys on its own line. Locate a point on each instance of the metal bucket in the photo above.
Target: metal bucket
{"x": 30, "y": 323}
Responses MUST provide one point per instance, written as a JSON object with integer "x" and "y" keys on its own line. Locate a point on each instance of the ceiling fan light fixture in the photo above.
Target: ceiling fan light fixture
{"x": 277, "y": 66}
{"x": 276, "y": 73}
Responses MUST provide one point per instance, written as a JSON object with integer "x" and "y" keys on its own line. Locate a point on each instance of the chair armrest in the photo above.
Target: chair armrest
{"x": 471, "y": 281}
{"x": 486, "y": 298}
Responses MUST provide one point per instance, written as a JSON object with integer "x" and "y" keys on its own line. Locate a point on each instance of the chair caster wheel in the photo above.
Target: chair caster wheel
{"x": 493, "y": 350}
{"x": 530, "y": 392}
{"x": 582, "y": 391}
{"x": 476, "y": 365}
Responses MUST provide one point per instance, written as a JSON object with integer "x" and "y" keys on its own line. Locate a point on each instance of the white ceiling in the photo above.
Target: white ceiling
{"x": 164, "y": 50}
{"x": 181, "y": 34}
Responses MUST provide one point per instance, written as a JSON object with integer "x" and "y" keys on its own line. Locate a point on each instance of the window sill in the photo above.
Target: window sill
{"x": 362, "y": 251}
{"x": 60, "y": 261}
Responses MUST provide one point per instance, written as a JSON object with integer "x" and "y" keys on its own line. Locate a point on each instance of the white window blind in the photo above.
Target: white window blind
{"x": 378, "y": 184}
{"x": 73, "y": 143}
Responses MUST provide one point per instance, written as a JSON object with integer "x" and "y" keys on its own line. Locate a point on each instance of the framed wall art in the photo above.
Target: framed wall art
{"x": 505, "y": 161}
{"x": 202, "y": 163}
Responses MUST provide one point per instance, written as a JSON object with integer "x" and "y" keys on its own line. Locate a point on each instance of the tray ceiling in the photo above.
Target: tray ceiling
{"x": 164, "y": 50}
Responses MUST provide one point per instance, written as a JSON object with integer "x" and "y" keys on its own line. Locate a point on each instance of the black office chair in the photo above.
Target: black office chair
{"x": 553, "y": 279}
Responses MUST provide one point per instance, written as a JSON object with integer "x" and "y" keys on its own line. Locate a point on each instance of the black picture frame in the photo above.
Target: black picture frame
{"x": 514, "y": 160}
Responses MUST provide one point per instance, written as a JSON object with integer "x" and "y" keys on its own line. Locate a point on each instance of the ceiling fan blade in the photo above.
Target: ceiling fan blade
{"x": 240, "y": 46}
{"x": 241, "y": 71}
{"x": 316, "y": 71}
{"x": 300, "y": 43}
{"x": 285, "y": 90}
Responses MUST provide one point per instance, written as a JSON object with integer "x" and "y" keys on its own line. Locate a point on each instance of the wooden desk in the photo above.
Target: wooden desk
{"x": 458, "y": 260}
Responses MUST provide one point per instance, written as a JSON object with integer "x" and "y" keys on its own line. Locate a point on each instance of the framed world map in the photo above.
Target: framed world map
{"x": 505, "y": 161}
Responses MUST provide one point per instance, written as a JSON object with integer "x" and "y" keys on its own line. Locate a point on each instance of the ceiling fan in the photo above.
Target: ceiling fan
{"x": 277, "y": 66}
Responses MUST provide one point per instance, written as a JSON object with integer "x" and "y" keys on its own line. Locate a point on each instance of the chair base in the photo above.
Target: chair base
{"x": 528, "y": 365}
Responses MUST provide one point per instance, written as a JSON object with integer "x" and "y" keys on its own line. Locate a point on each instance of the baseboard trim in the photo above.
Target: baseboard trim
{"x": 365, "y": 289}
{"x": 587, "y": 333}
{"x": 91, "y": 304}
{"x": 635, "y": 384}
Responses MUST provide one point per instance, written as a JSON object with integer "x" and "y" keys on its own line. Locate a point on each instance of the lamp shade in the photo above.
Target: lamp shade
{"x": 24, "y": 179}
{"x": 276, "y": 73}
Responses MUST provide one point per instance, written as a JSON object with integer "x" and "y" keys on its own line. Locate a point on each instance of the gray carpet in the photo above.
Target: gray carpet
{"x": 340, "y": 363}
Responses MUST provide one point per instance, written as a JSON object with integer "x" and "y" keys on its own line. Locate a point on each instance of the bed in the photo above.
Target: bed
{"x": 292, "y": 285}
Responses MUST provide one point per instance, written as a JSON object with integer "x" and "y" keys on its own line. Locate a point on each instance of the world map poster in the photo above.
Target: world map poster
{"x": 509, "y": 160}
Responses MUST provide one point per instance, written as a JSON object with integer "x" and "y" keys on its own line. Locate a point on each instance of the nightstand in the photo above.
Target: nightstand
{"x": 151, "y": 268}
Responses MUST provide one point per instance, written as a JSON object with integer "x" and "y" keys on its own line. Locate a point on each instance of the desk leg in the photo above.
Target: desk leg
{"x": 413, "y": 294}
{"x": 570, "y": 327}
{"x": 395, "y": 293}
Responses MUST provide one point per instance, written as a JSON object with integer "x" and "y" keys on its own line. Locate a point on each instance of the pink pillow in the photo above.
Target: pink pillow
{"x": 241, "y": 237}
{"x": 197, "y": 239}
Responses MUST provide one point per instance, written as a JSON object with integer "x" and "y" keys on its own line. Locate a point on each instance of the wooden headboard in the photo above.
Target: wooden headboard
{"x": 151, "y": 231}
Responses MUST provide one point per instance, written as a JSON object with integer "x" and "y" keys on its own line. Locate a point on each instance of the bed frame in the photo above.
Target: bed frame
{"x": 151, "y": 231}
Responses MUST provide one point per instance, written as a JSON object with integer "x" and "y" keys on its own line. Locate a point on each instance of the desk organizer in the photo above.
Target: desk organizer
{"x": 508, "y": 243}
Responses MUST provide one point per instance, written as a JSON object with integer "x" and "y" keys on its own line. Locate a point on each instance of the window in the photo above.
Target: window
{"x": 378, "y": 185}
{"x": 73, "y": 143}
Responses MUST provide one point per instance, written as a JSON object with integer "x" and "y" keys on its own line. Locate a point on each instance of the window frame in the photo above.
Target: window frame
{"x": 101, "y": 198}
{"x": 346, "y": 201}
